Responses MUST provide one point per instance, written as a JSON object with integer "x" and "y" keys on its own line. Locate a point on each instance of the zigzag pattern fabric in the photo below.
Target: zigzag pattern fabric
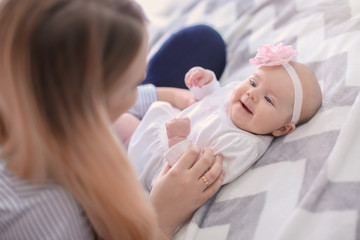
{"x": 307, "y": 184}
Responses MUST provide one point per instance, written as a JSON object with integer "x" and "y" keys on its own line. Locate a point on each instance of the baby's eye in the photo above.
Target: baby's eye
{"x": 252, "y": 83}
{"x": 268, "y": 100}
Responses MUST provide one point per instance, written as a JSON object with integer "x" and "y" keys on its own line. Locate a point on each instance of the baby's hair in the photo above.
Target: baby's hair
{"x": 58, "y": 60}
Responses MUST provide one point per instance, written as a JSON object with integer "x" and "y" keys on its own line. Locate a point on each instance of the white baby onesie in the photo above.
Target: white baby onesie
{"x": 211, "y": 127}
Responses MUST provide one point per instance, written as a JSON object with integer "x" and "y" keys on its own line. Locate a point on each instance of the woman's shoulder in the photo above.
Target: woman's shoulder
{"x": 38, "y": 211}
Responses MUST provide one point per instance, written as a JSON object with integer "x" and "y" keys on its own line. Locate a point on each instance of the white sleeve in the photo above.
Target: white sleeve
{"x": 200, "y": 93}
{"x": 239, "y": 154}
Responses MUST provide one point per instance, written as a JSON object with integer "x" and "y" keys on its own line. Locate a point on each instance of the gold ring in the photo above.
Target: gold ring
{"x": 203, "y": 178}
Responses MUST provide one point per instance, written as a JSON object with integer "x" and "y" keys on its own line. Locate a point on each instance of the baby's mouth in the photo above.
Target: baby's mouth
{"x": 245, "y": 107}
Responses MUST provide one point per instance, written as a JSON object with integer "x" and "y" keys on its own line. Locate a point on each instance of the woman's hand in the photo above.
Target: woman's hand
{"x": 179, "y": 190}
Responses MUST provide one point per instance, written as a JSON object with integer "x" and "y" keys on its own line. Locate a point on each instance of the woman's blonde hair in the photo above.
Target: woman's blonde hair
{"x": 58, "y": 60}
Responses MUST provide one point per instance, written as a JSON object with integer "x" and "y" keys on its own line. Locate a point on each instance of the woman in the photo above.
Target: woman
{"x": 68, "y": 68}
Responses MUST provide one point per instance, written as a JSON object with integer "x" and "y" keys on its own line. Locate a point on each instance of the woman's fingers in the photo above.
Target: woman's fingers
{"x": 204, "y": 163}
{"x": 164, "y": 170}
{"x": 213, "y": 188}
{"x": 213, "y": 174}
{"x": 188, "y": 159}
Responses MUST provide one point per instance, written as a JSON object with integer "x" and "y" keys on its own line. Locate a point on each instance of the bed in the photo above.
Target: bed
{"x": 307, "y": 184}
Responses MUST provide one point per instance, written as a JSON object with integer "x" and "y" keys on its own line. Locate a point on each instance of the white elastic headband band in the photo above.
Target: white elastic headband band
{"x": 298, "y": 97}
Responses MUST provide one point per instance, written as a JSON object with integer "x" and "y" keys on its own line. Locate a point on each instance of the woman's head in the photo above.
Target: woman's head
{"x": 74, "y": 51}
{"x": 63, "y": 59}
{"x": 62, "y": 62}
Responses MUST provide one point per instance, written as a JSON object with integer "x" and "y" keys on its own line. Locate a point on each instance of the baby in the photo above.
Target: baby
{"x": 238, "y": 121}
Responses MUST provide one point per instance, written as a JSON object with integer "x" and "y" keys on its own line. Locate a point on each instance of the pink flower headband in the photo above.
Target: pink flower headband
{"x": 275, "y": 55}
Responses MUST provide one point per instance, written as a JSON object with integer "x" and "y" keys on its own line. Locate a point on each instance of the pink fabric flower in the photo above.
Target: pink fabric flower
{"x": 273, "y": 55}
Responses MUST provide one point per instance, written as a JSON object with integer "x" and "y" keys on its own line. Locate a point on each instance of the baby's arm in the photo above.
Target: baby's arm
{"x": 177, "y": 97}
{"x": 201, "y": 82}
{"x": 177, "y": 130}
{"x": 195, "y": 78}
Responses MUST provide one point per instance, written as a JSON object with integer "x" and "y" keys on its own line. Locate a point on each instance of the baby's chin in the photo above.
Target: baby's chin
{"x": 241, "y": 126}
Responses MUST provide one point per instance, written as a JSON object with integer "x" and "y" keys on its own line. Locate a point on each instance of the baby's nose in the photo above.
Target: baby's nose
{"x": 251, "y": 95}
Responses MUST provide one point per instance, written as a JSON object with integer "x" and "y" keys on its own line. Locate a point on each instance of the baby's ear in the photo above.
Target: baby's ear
{"x": 287, "y": 128}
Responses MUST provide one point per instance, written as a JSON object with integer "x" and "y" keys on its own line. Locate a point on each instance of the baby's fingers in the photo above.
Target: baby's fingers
{"x": 194, "y": 76}
{"x": 187, "y": 80}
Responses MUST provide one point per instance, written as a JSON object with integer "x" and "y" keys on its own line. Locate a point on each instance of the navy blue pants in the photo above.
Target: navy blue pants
{"x": 198, "y": 45}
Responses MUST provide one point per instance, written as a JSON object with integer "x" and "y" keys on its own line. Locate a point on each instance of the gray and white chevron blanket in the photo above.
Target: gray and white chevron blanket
{"x": 307, "y": 184}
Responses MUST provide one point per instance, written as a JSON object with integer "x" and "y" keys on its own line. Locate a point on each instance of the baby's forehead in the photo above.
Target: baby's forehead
{"x": 276, "y": 81}
{"x": 273, "y": 76}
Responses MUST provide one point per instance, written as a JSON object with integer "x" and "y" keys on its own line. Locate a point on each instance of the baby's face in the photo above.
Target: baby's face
{"x": 263, "y": 102}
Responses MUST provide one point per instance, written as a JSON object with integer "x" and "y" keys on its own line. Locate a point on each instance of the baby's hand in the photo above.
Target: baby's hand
{"x": 178, "y": 127}
{"x": 198, "y": 77}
